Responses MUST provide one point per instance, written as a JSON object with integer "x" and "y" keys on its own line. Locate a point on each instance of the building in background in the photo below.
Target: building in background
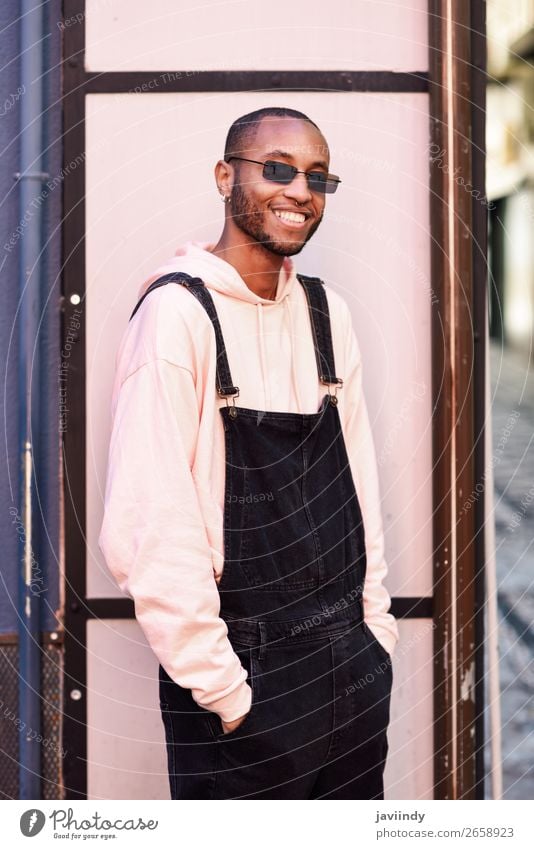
{"x": 510, "y": 170}
{"x": 510, "y": 185}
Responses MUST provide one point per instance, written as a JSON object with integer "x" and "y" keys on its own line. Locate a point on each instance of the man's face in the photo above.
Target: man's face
{"x": 257, "y": 205}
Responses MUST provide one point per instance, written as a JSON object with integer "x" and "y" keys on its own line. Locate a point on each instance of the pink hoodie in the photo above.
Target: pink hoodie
{"x": 162, "y": 533}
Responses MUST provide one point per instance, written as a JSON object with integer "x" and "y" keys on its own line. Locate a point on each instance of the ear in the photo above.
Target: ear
{"x": 224, "y": 177}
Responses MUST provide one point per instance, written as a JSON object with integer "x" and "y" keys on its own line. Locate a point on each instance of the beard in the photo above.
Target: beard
{"x": 249, "y": 219}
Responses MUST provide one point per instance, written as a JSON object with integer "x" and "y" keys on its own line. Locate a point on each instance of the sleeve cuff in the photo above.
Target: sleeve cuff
{"x": 386, "y": 639}
{"x": 234, "y": 705}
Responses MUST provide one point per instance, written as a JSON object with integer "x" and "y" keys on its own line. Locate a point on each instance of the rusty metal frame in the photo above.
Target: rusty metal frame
{"x": 458, "y": 401}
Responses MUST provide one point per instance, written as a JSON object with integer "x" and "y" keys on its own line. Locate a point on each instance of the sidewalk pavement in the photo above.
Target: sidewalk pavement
{"x": 512, "y": 404}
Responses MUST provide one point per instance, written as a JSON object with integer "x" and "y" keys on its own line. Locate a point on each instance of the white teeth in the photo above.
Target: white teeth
{"x": 298, "y": 217}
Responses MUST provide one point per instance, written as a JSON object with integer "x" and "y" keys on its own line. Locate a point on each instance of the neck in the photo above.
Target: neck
{"x": 259, "y": 268}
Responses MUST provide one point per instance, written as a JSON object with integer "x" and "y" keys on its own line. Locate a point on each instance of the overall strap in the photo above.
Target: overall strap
{"x": 197, "y": 287}
{"x": 322, "y": 332}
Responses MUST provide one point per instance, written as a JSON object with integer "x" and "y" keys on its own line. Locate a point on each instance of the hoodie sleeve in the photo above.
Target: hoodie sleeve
{"x": 154, "y": 539}
{"x": 362, "y": 458}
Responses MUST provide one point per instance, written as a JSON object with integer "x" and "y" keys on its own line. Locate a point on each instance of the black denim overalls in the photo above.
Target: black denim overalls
{"x": 291, "y": 595}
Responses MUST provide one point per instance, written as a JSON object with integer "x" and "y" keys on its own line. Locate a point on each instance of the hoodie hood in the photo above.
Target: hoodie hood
{"x": 196, "y": 259}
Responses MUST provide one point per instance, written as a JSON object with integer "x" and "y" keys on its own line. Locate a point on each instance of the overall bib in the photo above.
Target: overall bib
{"x": 291, "y": 596}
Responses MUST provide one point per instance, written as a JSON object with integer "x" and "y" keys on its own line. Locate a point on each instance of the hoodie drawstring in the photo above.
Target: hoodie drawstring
{"x": 294, "y": 377}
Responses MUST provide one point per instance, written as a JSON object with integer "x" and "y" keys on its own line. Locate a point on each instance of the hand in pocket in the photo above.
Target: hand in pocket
{"x": 235, "y": 723}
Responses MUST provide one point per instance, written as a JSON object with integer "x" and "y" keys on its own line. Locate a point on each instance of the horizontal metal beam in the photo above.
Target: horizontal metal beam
{"x": 117, "y": 82}
{"x": 417, "y": 607}
{"x": 47, "y": 638}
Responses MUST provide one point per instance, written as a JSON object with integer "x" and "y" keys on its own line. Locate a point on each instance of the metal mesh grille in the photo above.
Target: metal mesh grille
{"x": 52, "y": 758}
{"x": 10, "y": 731}
{"x": 9, "y": 735}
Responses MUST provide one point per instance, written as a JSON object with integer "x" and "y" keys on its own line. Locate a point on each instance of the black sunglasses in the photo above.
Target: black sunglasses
{"x": 281, "y": 172}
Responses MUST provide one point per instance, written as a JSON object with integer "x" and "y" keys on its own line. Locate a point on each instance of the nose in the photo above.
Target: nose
{"x": 298, "y": 189}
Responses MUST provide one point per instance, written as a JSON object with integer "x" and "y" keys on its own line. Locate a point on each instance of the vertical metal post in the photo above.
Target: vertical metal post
{"x": 74, "y": 436}
{"x": 480, "y": 312}
{"x": 31, "y": 201}
{"x": 453, "y": 404}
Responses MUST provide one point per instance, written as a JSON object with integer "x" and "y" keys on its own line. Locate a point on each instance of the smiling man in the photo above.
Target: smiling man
{"x": 242, "y": 509}
{"x": 271, "y": 224}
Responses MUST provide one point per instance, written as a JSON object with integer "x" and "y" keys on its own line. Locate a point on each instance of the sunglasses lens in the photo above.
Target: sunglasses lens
{"x": 278, "y": 172}
{"x": 331, "y": 186}
{"x": 281, "y": 172}
{"x": 319, "y": 182}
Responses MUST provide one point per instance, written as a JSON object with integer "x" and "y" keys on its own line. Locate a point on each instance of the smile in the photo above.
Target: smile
{"x": 296, "y": 220}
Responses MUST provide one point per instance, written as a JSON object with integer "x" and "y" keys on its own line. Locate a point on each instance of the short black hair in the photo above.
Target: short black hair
{"x": 243, "y": 130}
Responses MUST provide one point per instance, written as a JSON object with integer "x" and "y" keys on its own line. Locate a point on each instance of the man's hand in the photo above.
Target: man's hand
{"x": 235, "y": 723}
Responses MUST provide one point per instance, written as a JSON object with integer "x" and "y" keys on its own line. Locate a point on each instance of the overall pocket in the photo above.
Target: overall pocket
{"x": 385, "y": 655}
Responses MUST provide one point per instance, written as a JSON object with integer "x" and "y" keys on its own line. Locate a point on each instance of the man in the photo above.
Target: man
{"x": 242, "y": 507}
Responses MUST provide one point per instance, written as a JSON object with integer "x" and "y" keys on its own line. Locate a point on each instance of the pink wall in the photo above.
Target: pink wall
{"x": 150, "y": 187}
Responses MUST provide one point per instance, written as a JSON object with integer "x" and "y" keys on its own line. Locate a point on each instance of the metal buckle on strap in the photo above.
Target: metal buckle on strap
{"x": 233, "y": 396}
{"x": 333, "y": 395}
{"x": 194, "y": 281}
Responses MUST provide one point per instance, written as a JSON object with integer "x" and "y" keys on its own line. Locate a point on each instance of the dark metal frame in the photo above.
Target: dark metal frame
{"x": 76, "y": 84}
{"x": 480, "y": 313}
{"x": 458, "y": 262}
